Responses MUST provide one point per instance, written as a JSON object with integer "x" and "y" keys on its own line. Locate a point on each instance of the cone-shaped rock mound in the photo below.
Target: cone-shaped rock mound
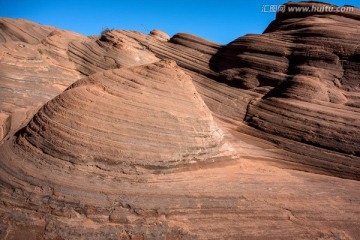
{"x": 128, "y": 120}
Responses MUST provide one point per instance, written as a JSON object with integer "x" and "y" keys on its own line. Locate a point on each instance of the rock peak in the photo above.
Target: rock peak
{"x": 160, "y": 35}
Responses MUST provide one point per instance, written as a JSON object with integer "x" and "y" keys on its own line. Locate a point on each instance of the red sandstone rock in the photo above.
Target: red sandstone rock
{"x": 307, "y": 65}
{"x": 160, "y": 35}
{"x": 39, "y": 62}
{"x": 188, "y": 148}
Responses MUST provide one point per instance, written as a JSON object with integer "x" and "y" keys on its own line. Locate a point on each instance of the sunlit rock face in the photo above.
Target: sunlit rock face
{"x": 306, "y": 66}
{"x": 39, "y": 62}
{"x": 135, "y": 136}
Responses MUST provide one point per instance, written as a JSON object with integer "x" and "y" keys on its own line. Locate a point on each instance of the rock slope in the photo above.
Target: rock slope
{"x": 39, "y": 62}
{"x": 308, "y": 71}
{"x": 135, "y": 136}
{"x": 125, "y": 120}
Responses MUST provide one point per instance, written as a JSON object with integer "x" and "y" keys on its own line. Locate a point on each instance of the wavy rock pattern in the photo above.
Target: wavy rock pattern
{"x": 112, "y": 50}
{"x": 307, "y": 67}
{"x": 38, "y": 62}
{"x": 194, "y": 55}
{"x": 126, "y": 135}
{"x": 187, "y": 148}
{"x": 33, "y": 67}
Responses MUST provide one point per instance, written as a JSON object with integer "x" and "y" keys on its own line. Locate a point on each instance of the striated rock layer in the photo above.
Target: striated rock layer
{"x": 31, "y": 74}
{"x": 125, "y": 120}
{"x": 39, "y": 62}
{"x": 307, "y": 65}
{"x": 102, "y": 140}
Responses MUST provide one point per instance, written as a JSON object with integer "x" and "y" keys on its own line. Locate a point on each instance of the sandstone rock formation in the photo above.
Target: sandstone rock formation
{"x": 160, "y": 35}
{"x": 118, "y": 120}
{"x": 307, "y": 65}
{"x": 135, "y": 136}
{"x": 38, "y": 62}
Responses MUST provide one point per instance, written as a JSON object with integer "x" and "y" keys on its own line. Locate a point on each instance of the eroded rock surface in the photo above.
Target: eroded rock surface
{"x": 39, "y": 62}
{"x": 305, "y": 66}
{"x": 135, "y": 136}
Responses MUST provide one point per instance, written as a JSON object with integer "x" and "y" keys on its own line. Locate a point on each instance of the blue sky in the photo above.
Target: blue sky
{"x": 218, "y": 21}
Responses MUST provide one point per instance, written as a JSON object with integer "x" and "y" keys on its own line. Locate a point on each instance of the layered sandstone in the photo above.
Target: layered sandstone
{"x": 39, "y": 62}
{"x": 126, "y": 120}
{"x": 135, "y": 136}
{"x": 305, "y": 66}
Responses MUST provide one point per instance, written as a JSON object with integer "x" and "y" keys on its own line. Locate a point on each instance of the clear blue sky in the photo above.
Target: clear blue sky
{"x": 218, "y": 21}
